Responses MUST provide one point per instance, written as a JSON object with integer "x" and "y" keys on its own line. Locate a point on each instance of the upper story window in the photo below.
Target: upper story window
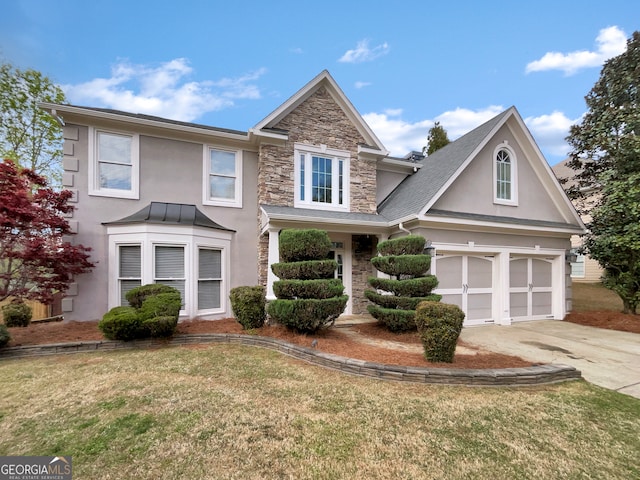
{"x": 113, "y": 164}
{"x": 321, "y": 177}
{"x": 504, "y": 176}
{"x": 223, "y": 177}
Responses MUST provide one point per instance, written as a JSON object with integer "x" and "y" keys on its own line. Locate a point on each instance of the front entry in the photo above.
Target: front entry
{"x": 467, "y": 281}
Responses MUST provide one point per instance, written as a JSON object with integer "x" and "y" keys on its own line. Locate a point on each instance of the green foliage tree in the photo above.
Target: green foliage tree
{"x": 308, "y": 297}
{"x": 606, "y": 157}
{"x": 29, "y": 135}
{"x": 403, "y": 260}
{"x": 437, "y": 138}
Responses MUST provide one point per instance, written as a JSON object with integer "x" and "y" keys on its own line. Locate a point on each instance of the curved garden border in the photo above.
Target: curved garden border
{"x": 535, "y": 375}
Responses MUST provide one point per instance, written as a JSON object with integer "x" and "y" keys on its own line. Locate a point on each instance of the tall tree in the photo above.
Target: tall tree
{"x": 29, "y": 135}
{"x": 437, "y": 138}
{"x": 36, "y": 261}
{"x": 606, "y": 158}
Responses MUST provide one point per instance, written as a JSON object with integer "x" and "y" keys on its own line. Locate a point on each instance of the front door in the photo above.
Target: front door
{"x": 467, "y": 281}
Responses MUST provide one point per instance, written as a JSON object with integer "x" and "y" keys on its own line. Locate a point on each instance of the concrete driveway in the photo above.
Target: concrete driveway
{"x": 607, "y": 358}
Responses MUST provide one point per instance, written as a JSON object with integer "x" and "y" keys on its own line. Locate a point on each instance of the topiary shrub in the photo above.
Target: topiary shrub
{"x": 396, "y": 298}
{"x": 4, "y": 335}
{"x": 309, "y": 297}
{"x": 17, "y": 314}
{"x": 121, "y": 323}
{"x": 439, "y": 325}
{"x": 154, "y": 313}
{"x": 136, "y": 296}
{"x": 249, "y": 306}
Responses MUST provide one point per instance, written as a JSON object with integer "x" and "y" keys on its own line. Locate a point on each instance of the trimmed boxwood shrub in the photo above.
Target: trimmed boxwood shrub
{"x": 395, "y": 320}
{"x": 409, "y": 245}
{"x": 306, "y": 270}
{"x": 291, "y": 289}
{"x": 439, "y": 325}
{"x": 17, "y": 314}
{"x": 156, "y": 315}
{"x": 249, "y": 305}
{"x": 411, "y": 265}
{"x": 121, "y": 323}
{"x": 403, "y": 303}
{"x": 307, "y": 315}
{"x": 300, "y": 245}
{"x": 4, "y": 335}
{"x": 413, "y": 287}
{"x": 136, "y": 296}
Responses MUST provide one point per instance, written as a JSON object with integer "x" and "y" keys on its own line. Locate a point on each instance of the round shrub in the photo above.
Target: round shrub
{"x": 395, "y": 320}
{"x": 307, "y": 315}
{"x": 136, "y": 296}
{"x": 121, "y": 323}
{"x": 292, "y": 289}
{"x": 249, "y": 305}
{"x": 439, "y": 325}
{"x": 17, "y": 314}
{"x": 166, "y": 304}
{"x": 157, "y": 327}
{"x": 411, "y": 265}
{"x": 306, "y": 270}
{"x": 409, "y": 245}
{"x": 300, "y": 245}
{"x": 4, "y": 335}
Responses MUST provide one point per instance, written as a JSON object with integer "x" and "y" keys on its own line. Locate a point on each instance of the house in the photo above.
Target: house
{"x": 200, "y": 208}
{"x": 583, "y": 268}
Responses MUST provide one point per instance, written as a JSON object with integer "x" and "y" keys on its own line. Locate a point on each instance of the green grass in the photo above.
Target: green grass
{"x": 589, "y": 297}
{"x": 236, "y": 412}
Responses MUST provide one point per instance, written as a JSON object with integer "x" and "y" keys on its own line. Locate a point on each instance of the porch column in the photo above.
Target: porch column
{"x": 502, "y": 287}
{"x": 273, "y": 257}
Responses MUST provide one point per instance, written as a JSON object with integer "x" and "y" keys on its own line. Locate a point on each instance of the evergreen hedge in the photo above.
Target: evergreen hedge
{"x": 300, "y": 245}
{"x": 307, "y": 315}
{"x": 249, "y": 305}
{"x": 439, "y": 325}
{"x": 17, "y": 314}
{"x": 292, "y": 289}
{"x": 409, "y": 245}
{"x": 408, "y": 265}
{"x": 411, "y": 287}
{"x": 305, "y": 270}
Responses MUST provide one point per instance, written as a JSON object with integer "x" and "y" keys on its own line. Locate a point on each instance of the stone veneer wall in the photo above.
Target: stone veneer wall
{"x": 363, "y": 248}
{"x": 318, "y": 120}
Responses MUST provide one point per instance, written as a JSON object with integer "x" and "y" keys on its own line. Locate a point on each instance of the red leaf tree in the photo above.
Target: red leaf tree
{"x": 35, "y": 260}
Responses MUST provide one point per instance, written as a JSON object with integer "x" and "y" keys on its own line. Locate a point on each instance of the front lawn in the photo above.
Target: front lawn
{"x": 221, "y": 411}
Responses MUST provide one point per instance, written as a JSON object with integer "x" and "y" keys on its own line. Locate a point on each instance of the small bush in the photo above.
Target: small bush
{"x": 325, "y": 288}
{"x": 414, "y": 287}
{"x": 137, "y": 296}
{"x": 249, "y": 306}
{"x": 307, "y": 315}
{"x": 17, "y": 314}
{"x": 307, "y": 270}
{"x": 300, "y": 245}
{"x": 402, "y": 303}
{"x": 439, "y": 325}
{"x": 4, "y": 335}
{"x": 412, "y": 265}
{"x": 395, "y": 320}
{"x": 163, "y": 326}
{"x": 161, "y": 305}
{"x": 121, "y": 323}
{"x": 409, "y": 245}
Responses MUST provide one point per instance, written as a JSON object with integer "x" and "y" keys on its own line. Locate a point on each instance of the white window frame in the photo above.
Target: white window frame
{"x": 94, "y": 168}
{"x": 513, "y": 201}
{"x": 121, "y": 300}
{"x": 335, "y": 156}
{"x": 200, "y": 279}
{"x": 207, "y": 199}
{"x": 148, "y": 236}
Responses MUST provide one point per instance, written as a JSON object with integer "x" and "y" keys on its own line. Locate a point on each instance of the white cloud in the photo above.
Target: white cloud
{"x": 360, "y": 85}
{"x": 362, "y": 52}
{"x": 162, "y": 90}
{"x": 400, "y": 136}
{"x": 611, "y": 42}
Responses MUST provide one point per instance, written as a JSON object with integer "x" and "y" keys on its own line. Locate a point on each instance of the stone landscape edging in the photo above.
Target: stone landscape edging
{"x": 520, "y": 376}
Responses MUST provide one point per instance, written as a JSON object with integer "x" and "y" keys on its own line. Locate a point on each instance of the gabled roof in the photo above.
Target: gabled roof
{"x": 170, "y": 214}
{"x": 322, "y": 79}
{"x": 438, "y": 172}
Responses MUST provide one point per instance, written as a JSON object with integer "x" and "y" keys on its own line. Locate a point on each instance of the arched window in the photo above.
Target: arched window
{"x": 504, "y": 169}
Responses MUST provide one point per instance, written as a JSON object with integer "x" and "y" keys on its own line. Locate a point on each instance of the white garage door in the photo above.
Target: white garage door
{"x": 467, "y": 281}
{"x": 530, "y": 288}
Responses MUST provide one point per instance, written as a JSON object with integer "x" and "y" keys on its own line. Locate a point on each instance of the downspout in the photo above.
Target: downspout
{"x": 401, "y": 227}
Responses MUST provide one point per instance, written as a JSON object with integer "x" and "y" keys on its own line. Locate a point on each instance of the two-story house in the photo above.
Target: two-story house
{"x": 200, "y": 208}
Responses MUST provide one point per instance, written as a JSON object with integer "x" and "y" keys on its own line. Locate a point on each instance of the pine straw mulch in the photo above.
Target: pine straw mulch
{"x": 338, "y": 341}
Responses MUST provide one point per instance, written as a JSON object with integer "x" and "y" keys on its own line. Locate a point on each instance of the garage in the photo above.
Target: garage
{"x": 530, "y": 288}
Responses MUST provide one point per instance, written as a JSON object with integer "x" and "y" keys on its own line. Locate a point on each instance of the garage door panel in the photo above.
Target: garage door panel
{"x": 519, "y": 304}
{"x": 541, "y": 303}
{"x": 479, "y": 306}
{"x": 449, "y": 272}
{"x": 541, "y": 273}
{"x": 519, "y": 272}
{"x": 479, "y": 272}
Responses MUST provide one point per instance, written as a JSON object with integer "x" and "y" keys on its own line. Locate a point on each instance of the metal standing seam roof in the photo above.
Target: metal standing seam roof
{"x": 417, "y": 190}
{"x": 312, "y": 214}
{"x": 170, "y": 214}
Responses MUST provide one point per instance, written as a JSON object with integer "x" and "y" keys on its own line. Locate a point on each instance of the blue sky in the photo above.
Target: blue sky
{"x": 403, "y": 64}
